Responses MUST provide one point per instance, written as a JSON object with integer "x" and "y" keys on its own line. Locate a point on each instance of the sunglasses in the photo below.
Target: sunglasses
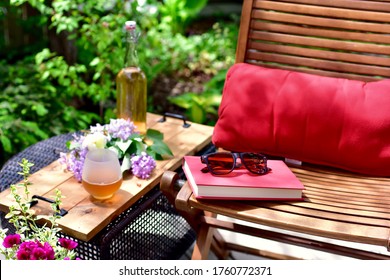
{"x": 223, "y": 163}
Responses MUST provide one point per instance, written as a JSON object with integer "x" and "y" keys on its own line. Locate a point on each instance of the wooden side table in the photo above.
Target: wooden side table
{"x": 93, "y": 221}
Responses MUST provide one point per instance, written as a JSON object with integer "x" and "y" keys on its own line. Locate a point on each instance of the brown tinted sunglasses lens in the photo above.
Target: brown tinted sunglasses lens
{"x": 220, "y": 163}
{"x": 254, "y": 162}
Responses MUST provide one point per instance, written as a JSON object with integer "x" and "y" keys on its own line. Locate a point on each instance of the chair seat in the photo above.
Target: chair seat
{"x": 337, "y": 205}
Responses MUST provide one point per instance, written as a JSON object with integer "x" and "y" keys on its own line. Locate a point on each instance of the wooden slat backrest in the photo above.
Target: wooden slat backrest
{"x": 337, "y": 38}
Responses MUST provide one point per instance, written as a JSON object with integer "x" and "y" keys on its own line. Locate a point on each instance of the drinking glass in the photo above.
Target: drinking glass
{"x": 102, "y": 175}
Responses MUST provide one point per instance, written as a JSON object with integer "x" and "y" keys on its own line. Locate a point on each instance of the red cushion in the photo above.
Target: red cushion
{"x": 323, "y": 120}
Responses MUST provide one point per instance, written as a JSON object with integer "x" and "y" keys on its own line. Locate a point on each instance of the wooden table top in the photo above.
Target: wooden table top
{"x": 88, "y": 216}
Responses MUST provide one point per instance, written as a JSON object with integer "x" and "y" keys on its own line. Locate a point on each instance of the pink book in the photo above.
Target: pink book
{"x": 279, "y": 184}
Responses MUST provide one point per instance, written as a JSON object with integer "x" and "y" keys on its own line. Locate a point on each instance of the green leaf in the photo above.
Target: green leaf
{"x": 185, "y": 100}
{"x": 96, "y": 76}
{"x": 6, "y": 143}
{"x": 45, "y": 75}
{"x": 123, "y": 145}
{"x": 126, "y": 163}
{"x": 71, "y": 145}
{"x": 137, "y": 147}
{"x": 161, "y": 148}
{"x": 195, "y": 6}
{"x": 154, "y": 134}
{"x": 197, "y": 113}
{"x": 40, "y": 109}
{"x": 11, "y": 214}
{"x": 95, "y": 61}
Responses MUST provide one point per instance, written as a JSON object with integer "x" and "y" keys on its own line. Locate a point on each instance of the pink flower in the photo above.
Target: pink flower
{"x": 11, "y": 240}
{"x": 67, "y": 243}
{"x": 34, "y": 250}
{"x": 38, "y": 254}
{"x": 49, "y": 251}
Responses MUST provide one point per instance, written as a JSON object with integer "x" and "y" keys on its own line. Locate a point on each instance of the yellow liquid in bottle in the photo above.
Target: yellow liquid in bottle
{"x": 131, "y": 96}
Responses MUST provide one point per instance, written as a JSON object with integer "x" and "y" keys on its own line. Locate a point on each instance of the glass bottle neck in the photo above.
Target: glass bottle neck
{"x": 131, "y": 57}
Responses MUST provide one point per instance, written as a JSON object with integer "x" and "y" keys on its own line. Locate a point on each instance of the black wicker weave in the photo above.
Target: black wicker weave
{"x": 41, "y": 154}
{"x": 150, "y": 229}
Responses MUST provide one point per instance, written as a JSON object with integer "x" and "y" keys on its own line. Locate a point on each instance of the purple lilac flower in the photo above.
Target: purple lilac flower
{"x": 120, "y": 128}
{"x": 11, "y": 240}
{"x": 34, "y": 250}
{"x": 63, "y": 158}
{"x": 142, "y": 165}
{"x": 78, "y": 159}
{"x": 98, "y": 128}
{"x": 67, "y": 243}
{"x": 75, "y": 159}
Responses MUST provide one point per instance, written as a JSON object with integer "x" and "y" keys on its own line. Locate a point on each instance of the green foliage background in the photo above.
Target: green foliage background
{"x": 44, "y": 93}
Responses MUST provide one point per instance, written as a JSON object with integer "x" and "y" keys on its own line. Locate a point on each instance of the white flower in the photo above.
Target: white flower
{"x": 94, "y": 141}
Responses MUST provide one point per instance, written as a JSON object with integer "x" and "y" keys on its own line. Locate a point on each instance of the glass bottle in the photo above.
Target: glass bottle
{"x": 131, "y": 84}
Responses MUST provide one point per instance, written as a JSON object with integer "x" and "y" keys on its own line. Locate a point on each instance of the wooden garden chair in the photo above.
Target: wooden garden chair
{"x": 344, "y": 38}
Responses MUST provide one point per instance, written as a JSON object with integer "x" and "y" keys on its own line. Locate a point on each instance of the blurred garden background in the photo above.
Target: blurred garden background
{"x": 59, "y": 59}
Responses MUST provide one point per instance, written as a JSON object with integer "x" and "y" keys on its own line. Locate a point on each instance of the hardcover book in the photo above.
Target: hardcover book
{"x": 279, "y": 184}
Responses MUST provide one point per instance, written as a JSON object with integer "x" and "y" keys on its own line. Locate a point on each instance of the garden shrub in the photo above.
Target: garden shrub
{"x": 48, "y": 93}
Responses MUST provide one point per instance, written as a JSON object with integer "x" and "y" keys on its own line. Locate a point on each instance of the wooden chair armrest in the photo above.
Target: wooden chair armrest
{"x": 170, "y": 184}
{"x": 177, "y": 191}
